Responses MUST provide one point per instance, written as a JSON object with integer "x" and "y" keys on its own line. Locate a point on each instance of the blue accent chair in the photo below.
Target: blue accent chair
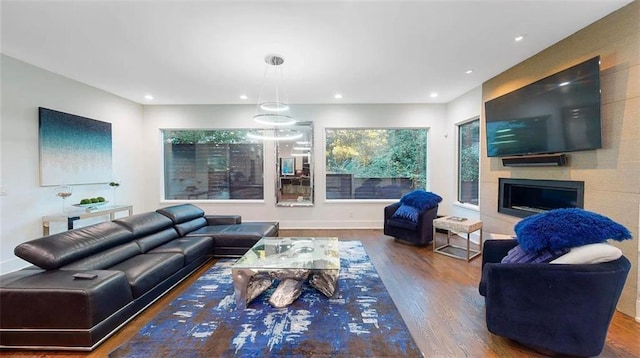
{"x": 551, "y": 308}
{"x": 418, "y": 233}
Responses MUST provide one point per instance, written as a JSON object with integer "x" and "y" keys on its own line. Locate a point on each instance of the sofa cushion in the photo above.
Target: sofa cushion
{"x": 518, "y": 256}
{"x": 145, "y": 223}
{"x": 191, "y": 248}
{"x": 244, "y": 230}
{"x": 209, "y": 230}
{"x": 145, "y": 271}
{"x": 243, "y": 235}
{"x": 105, "y": 259}
{"x": 154, "y": 240}
{"x": 560, "y": 228}
{"x": 402, "y": 223}
{"x": 262, "y": 228}
{"x": 54, "y": 251}
{"x": 245, "y": 240}
{"x": 181, "y": 213}
{"x": 589, "y": 254}
{"x": 407, "y": 212}
{"x": 189, "y": 226}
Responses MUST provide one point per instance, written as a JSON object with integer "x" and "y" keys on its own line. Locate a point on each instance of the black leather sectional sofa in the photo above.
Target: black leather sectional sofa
{"x": 88, "y": 282}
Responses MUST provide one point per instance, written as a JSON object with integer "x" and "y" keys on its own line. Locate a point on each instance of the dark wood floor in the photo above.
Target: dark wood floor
{"x": 436, "y": 295}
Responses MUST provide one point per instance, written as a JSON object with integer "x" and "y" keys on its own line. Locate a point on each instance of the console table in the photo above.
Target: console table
{"x": 72, "y": 215}
{"x": 467, "y": 226}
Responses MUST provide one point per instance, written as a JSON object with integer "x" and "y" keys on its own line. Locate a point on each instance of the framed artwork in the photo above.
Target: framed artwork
{"x": 287, "y": 166}
{"x": 73, "y": 149}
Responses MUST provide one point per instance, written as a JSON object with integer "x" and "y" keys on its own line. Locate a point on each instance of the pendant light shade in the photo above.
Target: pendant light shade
{"x": 272, "y": 108}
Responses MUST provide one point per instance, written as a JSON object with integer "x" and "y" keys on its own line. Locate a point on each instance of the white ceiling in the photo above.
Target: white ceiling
{"x": 211, "y": 52}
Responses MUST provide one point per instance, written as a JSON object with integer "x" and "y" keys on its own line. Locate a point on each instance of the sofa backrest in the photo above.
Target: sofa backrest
{"x": 154, "y": 240}
{"x": 145, "y": 223}
{"x": 181, "y": 213}
{"x": 149, "y": 229}
{"x": 189, "y": 226}
{"x": 105, "y": 259}
{"x": 53, "y": 251}
{"x": 185, "y": 217}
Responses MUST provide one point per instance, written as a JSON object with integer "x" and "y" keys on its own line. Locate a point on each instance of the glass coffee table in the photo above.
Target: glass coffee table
{"x": 290, "y": 260}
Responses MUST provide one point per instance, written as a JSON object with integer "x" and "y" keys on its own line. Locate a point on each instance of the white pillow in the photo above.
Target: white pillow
{"x": 589, "y": 254}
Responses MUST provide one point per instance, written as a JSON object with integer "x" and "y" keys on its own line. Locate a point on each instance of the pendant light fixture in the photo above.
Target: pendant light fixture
{"x": 272, "y": 108}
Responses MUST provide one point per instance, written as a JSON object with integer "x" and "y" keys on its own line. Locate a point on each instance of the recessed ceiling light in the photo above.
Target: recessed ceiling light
{"x": 148, "y": 97}
{"x": 468, "y": 71}
{"x": 243, "y": 96}
{"x": 519, "y": 38}
{"x": 433, "y": 95}
{"x": 337, "y": 96}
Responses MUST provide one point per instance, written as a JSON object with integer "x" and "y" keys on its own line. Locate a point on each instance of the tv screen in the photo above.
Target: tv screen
{"x": 559, "y": 113}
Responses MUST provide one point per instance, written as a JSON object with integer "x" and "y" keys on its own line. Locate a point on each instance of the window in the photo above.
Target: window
{"x": 468, "y": 160}
{"x": 375, "y": 163}
{"x": 212, "y": 164}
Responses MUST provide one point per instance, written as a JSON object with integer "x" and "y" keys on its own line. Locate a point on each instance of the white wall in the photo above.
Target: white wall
{"x": 24, "y": 89}
{"x": 324, "y": 214}
{"x": 460, "y": 110}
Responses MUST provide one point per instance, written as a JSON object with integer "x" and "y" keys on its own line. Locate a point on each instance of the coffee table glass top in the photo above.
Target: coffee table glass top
{"x": 315, "y": 253}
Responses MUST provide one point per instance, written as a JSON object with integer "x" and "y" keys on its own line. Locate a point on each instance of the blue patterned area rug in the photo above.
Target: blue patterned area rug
{"x": 360, "y": 320}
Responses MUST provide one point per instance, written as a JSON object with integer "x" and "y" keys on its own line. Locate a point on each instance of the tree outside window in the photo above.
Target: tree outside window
{"x": 468, "y": 161}
{"x": 366, "y": 163}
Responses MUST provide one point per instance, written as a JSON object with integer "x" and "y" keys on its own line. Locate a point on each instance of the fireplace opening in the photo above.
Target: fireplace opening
{"x": 525, "y": 197}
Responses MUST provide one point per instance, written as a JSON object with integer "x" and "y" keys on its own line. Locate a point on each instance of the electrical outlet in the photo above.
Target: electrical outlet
{"x": 3, "y": 190}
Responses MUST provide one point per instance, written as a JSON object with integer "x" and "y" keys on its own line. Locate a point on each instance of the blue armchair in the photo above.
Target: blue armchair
{"x": 418, "y": 233}
{"x": 552, "y": 308}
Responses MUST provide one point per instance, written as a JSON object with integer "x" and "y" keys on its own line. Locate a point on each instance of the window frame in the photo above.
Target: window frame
{"x": 353, "y": 194}
{"x": 163, "y": 142}
{"x": 459, "y": 149}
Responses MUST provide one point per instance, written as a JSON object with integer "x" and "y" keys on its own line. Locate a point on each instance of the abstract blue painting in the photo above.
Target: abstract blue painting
{"x": 73, "y": 149}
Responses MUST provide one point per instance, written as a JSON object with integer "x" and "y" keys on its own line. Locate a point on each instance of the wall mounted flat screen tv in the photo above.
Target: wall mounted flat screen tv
{"x": 559, "y": 113}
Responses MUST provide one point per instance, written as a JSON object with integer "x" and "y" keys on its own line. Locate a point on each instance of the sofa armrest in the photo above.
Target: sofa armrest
{"x": 56, "y": 299}
{"x": 521, "y": 283}
{"x": 389, "y": 210}
{"x": 493, "y": 251}
{"x": 425, "y": 221}
{"x": 531, "y": 303}
{"x": 223, "y": 219}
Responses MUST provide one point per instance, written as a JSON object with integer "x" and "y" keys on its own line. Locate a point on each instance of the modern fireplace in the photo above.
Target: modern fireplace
{"x": 525, "y": 197}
